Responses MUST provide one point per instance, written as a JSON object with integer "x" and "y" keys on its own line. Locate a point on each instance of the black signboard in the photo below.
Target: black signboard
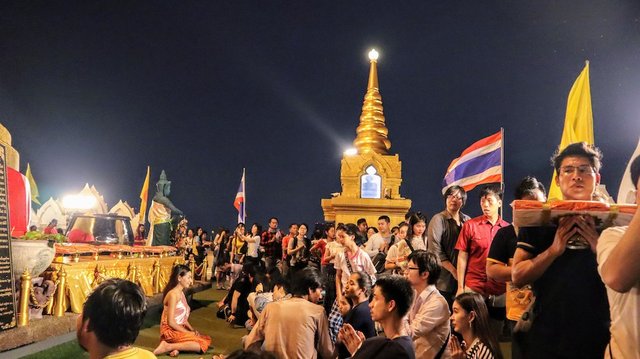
{"x": 7, "y": 297}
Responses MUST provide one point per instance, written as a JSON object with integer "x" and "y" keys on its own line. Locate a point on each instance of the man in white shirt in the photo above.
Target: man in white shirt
{"x": 619, "y": 266}
{"x": 429, "y": 314}
{"x": 379, "y": 242}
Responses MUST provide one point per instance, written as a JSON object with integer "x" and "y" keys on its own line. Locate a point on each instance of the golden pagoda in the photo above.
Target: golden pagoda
{"x": 370, "y": 175}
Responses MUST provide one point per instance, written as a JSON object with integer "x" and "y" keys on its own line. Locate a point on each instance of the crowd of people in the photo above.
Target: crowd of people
{"x": 448, "y": 287}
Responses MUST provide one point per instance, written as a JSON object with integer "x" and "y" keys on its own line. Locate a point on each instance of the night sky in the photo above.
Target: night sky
{"x": 93, "y": 92}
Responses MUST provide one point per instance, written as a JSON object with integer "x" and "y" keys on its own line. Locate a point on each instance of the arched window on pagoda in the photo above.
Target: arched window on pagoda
{"x": 370, "y": 183}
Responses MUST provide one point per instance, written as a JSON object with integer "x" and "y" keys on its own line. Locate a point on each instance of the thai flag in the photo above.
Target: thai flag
{"x": 479, "y": 163}
{"x": 239, "y": 202}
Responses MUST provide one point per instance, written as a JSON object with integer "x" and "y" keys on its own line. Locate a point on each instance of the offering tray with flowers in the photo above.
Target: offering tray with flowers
{"x": 527, "y": 213}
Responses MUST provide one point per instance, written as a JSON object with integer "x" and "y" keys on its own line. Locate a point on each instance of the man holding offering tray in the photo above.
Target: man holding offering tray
{"x": 571, "y": 313}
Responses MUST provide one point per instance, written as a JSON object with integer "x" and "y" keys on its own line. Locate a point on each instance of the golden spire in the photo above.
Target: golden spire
{"x": 372, "y": 132}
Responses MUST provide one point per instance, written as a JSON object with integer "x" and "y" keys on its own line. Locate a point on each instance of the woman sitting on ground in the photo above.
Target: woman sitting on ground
{"x": 470, "y": 318}
{"x": 357, "y": 292}
{"x": 176, "y": 333}
{"x": 236, "y": 298}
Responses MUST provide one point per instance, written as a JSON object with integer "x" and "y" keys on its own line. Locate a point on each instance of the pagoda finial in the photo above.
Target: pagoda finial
{"x": 372, "y": 132}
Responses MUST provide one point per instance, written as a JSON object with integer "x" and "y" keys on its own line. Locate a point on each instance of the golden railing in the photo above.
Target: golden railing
{"x": 76, "y": 276}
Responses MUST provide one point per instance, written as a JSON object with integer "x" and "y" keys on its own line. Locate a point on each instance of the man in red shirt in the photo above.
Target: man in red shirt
{"x": 473, "y": 247}
{"x": 474, "y": 243}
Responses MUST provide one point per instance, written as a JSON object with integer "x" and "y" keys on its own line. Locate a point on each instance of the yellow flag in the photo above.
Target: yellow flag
{"x": 144, "y": 197}
{"x": 33, "y": 185}
{"x": 578, "y": 121}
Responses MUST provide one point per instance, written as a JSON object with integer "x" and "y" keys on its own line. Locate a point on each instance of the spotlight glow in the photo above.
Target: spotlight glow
{"x": 77, "y": 202}
{"x": 351, "y": 152}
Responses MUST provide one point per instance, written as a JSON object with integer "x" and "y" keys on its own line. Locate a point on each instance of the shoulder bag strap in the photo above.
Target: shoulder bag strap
{"x": 444, "y": 346}
{"x": 346, "y": 258}
{"x": 409, "y": 244}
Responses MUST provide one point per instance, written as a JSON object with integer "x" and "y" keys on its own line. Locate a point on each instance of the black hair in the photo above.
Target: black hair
{"x": 480, "y": 325}
{"x": 578, "y": 149}
{"x": 303, "y": 224}
{"x": 364, "y": 282}
{"x": 274, "y": 275}
{"x": 258, "y": 226}
{"x": 272, "y": 218}
{"x": 456, "y": 189}
{"x": 327, "y": 226}
{"x": 360, "y": 221}
{"x": 415, "y": 219}
{"x": 374, "y": 229}
{"x": 635, "y": 171}
{"x": 115, "y": 310}
{"x": 385, "y": 218}
{"x": 349, "y": 228}
{"x": 281, "y": 282}
{"x": 528, "y": 187}
{"x": 398, "y": 289}
{"x": 178, "y": 271}
{"x": 304, "y": 280}
{"x": 291, "y": 225}
{"x": 427, "y": 262}
{"x": 491, "y": 190}
{"x": 249, "y": 269}
{"x": 33, "y": 228}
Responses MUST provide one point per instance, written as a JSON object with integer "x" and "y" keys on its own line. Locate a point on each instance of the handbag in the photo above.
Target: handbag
{"x": 224, "y": 312}
{"x": 523, "y": 325}
{"x": 378, "y": 261}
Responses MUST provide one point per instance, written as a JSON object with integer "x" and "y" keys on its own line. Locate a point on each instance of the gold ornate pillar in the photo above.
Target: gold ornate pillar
{"x": 25, "y": 292}
{"x": 60, "y": 306}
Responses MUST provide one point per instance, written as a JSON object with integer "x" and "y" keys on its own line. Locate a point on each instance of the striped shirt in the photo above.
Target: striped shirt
{"x": 478, "y": 351}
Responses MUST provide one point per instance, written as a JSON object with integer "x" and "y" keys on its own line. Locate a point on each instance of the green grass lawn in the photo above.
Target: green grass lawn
{"x": 203, "y": 318}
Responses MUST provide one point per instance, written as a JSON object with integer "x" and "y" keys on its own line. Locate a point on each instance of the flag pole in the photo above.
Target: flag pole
{"x": 244, "y": 190}
{"x": 502, "y": 171}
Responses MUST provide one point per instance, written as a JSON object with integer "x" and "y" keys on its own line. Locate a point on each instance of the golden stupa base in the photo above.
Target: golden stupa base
{"x": 348, "y": 210}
